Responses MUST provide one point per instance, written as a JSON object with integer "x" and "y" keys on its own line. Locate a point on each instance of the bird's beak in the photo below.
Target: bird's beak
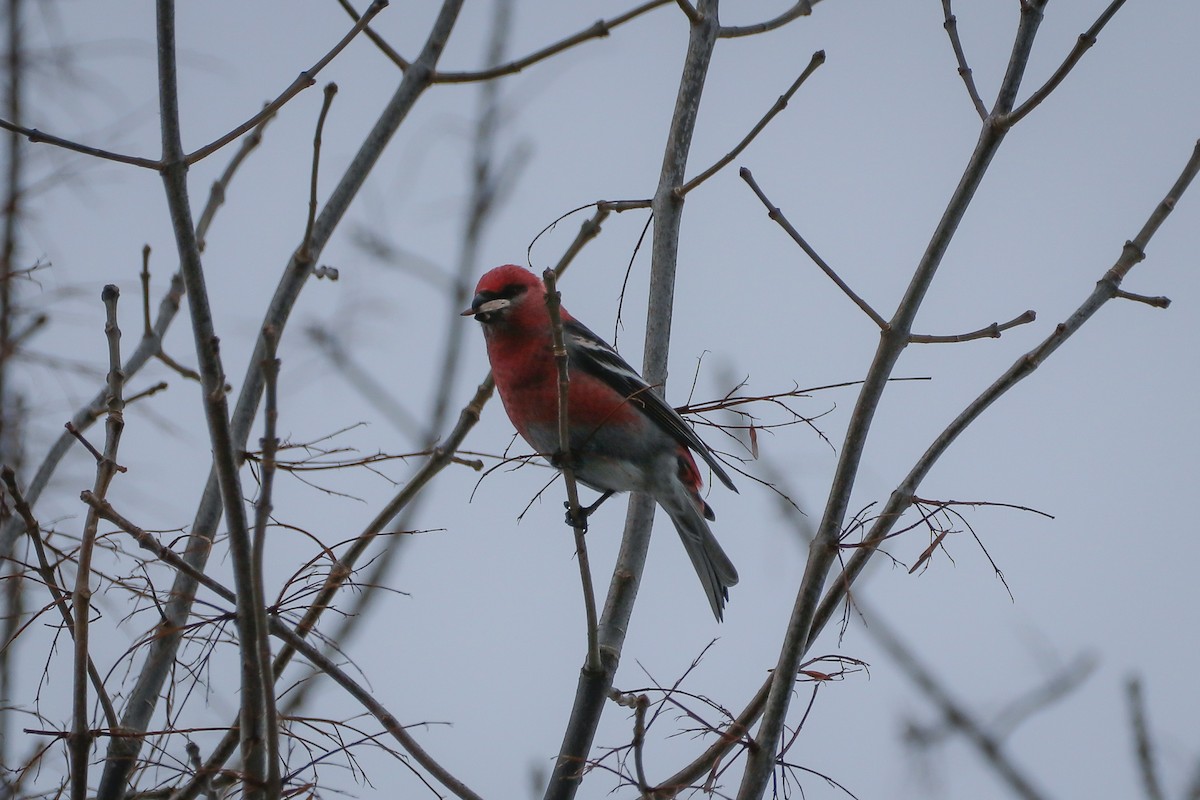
{"x": 482, "y": 308}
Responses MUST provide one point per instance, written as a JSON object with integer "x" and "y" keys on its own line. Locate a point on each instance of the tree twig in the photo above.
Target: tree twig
{"x": 992, "y": 331}
{"x": 1082, "y": 45}
{"x": 80, "y": 740}
{"x": 818, "y": 58}
{"x": 964, "y": 71}
{"x": 304, "y": 80}
{"x": 775, "y": 214}
{"x": 554, "y": 306}
{"x": 262, "y": 517}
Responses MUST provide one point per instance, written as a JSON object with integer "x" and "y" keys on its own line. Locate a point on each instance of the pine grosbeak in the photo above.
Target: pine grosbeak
{"x": 623, "y": 435}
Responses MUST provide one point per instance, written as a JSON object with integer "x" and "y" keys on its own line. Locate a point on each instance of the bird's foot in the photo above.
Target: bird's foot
{"x": 578, "y": 518}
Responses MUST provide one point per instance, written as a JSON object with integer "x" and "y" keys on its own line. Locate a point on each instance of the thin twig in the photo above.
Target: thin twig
{"x": 304, "y": 80}
{"x": 639, "y": 740}
{"x": 992, "y": 331}
{"x": 818, "y": 58}
{"x": 306, "y": 242}
{"x": 35, "y": 136}
{"x": 774, "y": 213}
{"x": 262, "y": 517}
{"x": 597, "y": 30}
{"x": 1082, "y": 45}
{"x": 964, "y": 71}
{"x": 80, "y": 741}
{"x": 147, "y": 326}
{"x": 375, "y": 38}
{"x": 1156, "y": 302}
{"x": 688, "y": 10}
{"x": 554, "y": 306}
{"x": 802, "y": 8}
{"x": 216, "y": 194}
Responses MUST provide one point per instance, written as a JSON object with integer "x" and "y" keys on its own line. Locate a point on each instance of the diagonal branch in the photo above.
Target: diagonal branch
{"x": 774, "y": 213}
{"x": 1082, "y": 45}
{"x": 304, "y": 80}
{"x": 817, "y": 60}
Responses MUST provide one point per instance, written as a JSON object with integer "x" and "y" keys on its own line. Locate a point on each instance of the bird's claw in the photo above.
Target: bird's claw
{"x": 577, "y": 517}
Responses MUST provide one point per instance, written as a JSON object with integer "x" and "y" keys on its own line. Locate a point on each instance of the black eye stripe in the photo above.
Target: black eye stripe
{"x": 507, "y": 293}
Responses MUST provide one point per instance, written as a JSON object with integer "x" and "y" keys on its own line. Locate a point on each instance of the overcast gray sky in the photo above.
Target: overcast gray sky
{"x": 488, "y": 633}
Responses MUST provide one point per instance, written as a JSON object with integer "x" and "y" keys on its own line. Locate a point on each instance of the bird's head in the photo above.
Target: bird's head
{"x": 502, "y": 290}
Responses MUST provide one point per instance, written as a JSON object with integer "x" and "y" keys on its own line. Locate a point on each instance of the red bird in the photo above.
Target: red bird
{"x": 623, "y": 435}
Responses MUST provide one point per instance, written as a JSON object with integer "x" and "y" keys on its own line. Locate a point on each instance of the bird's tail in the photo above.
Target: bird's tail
{"x": 713, "y": 567}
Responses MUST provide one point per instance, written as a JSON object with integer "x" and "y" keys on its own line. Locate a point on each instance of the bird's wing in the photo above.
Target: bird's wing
{"x": 593, "y": 355}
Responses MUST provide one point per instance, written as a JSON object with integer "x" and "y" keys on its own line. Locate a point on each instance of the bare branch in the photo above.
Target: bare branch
{"x": 306, "y": 242}
{"x": 964, "y": 71}
{"x": 817, "y": 60}
{"x": 262, "y": 517}
{"x": 593, "y": 688}
{"x": 802, "y": 8}
{"x": 304, "y": 80}
{"x": 1082, "y": 45}
{"x": 375, "y": 38}
{"x": 35, "y": 136}
{"x": 80, "y": 740}
{"x": 688, "y": 10}
{"x": 992, "y": 331}
{"x": 774, "y": 213}
{"x": 566, "y": 465}
{"x": 599, "y": 29}
{"x": 825, "y": 548}
{"x": 1155, "y": 302}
